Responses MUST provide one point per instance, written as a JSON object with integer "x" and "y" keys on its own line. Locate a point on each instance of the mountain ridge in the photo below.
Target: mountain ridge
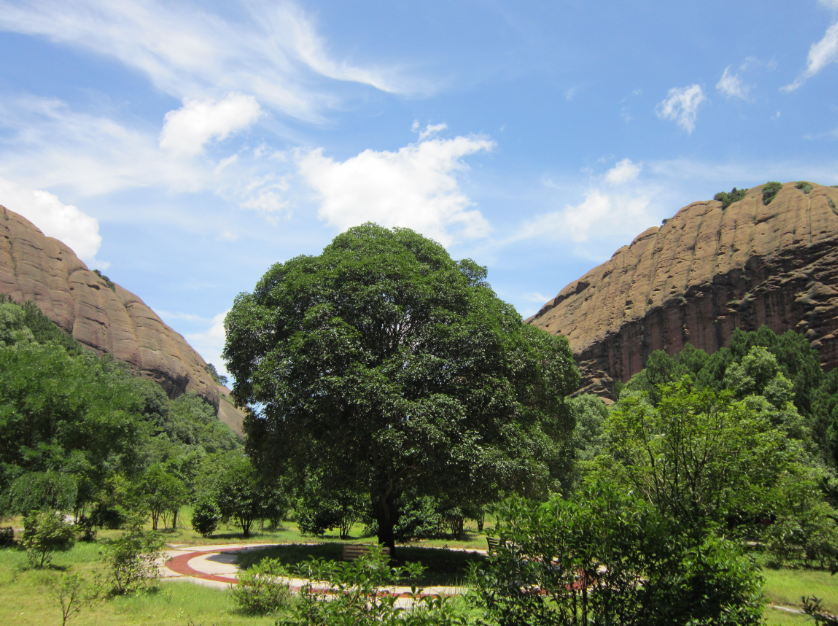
{"x": 703, "y": 273}
{"x": 100, "y": 314}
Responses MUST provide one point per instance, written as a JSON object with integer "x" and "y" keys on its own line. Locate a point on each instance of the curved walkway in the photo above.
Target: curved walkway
{"x": 215, "y": 566}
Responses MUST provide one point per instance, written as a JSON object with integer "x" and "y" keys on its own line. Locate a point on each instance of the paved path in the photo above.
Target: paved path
{"x": 215, "y": 566}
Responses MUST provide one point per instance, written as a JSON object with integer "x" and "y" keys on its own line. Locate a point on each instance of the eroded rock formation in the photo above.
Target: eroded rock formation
{"x": 108, "y": 320}
{"x": 704, "y": 273}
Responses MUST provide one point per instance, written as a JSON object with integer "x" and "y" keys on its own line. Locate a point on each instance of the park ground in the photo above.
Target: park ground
{"x": 25, "y": 598}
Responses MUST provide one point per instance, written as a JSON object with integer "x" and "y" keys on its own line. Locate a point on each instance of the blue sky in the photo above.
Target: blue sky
{"x": 185, "y": 147}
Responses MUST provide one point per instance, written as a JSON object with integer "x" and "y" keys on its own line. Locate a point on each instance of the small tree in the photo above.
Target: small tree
{"x": 160, "y": 493}
{"x": 44, "y": 533}
{"x": 131, "y": 559}
{"x": 238, "y": 493}
{"x": 205, "y": 517}
{"x": 73, "y": 593}
{"x": 261, "y": 589}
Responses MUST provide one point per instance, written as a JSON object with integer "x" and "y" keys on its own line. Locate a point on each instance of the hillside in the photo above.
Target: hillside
{"x": 98, "y": 313}
{"x": 704, "y": 273}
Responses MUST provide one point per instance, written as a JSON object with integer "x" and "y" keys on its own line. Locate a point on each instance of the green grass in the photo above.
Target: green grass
{"x": 443, "y": 567}
{"x": 787, "y": 586}
{"x": 25, "y": 599}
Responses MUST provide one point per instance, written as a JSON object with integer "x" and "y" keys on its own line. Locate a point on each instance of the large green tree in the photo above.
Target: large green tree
{"x": 389, "y": 365}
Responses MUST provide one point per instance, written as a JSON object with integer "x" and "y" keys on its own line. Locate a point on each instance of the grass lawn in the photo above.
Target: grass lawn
{"x": 443, "y": 567}
{"x": 785, "y": 587}
{"x": 25, "y": 598}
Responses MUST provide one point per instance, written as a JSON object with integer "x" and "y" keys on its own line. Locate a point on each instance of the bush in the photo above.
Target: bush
{"x": 44, "y": 533}
{"x": 261, "y": 589}
{"x": 804, "y": 187}
{"x": 131, "y": 560}
{"x": 769, "y": 190}
{"x": 610, "y": 558}
{"x": 7, "y": 536}
{"x": 86, "y": 529}
{"x": 727, "y": 199}
{"x": 205, "y": 518}
{"x": 350, "y": 593}
{"x": 73, "y": 593}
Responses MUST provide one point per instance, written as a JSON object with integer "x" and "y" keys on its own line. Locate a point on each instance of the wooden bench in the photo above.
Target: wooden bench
{"x": 493, "y": 544}
{"x": 352, "y": 551}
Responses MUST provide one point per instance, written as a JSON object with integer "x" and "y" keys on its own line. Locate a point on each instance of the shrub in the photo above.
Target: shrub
{"x": 261, "y": 589}
{"x": 832, "y": 205}
{"x": 609, "y": 558}
{"x": 727, "y": 199}
{"x": 86, "y": 529}
{"x": 44, "y": 533}
{"x": 804, "y": 186}
{"x": 131, "y": 560}
{"x": 205, "y": 517}
{"x": 351, "y": 593}
{"x": 7, "y": 536}
{"x": 73, "y": 593}
{"x": 769, "y": 190}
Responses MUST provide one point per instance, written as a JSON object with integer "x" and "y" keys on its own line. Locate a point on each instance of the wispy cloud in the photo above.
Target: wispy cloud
{"x": 415, "y": 187}
{"x": 821, "y": 54}
{"x": 270, "y": 52}
{"x": 732, "y": 86}
{"x": 681, "y": 106}
{"x": 209, "y": 343}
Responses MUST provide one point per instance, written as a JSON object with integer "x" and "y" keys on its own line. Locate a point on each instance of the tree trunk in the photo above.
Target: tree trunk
{"x": 386, "y": 514}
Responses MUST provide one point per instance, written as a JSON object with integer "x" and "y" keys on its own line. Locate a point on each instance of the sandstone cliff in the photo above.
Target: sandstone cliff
{"x": 107, "y": 319}
{"x": 704, "y": 273}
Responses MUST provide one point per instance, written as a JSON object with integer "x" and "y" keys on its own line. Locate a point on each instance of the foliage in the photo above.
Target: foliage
{"x": 238, "y": 493}
{"x": 107, "y": 280}
{"x": 216, "y": 377}
{"x": 261, "y": 589}
{"x": 812, "y": 608}
{"x": 73, "y": 593}
{"x": 804, "y": 186}
{"x": 131, "y": 560}
{"x": 45, "y": 532}
{"x": 389, "y": 366}
{"x": 727, "y": 199}
{"x": 41, "y": 491}
{"x": 603, "y": 557}
{"x": 205, "y": 517}
{"x": 319, "y": 510}
{"x": 160, "y": 492}
{"x": 769, "y": 190}
{"x": 355, "y": 593}
{"x": 7, "y": 536}
{"x": 697, "y": 455}
{"x": 67, "y": 415}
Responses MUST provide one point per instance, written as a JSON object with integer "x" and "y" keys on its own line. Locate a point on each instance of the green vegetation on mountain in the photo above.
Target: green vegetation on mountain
{"x": 769, "y": 190}
{"x": 728, "y": 198}
{"x": 73, "y": 424}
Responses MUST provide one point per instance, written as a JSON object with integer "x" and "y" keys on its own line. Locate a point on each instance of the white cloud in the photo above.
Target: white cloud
{"x": 681, "y": 105}
{"x": 210, "y": 343}
{"x": 830, "y": 4}
{"x": 821, "y": 54}
{"x": 623, "y": 172}
{"x": 188, "y": 129}
{"x": 416, "y": 187}
{"x": 430, "y": 129}
{"x": 267, "y": 49}
{"x": 599, "y": 215}
{"x": 55, "y": 219}
{"x": 732, "y": 86}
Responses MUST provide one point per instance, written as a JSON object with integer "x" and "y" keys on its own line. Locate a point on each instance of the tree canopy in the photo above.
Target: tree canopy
{"x": 393, "y": 366}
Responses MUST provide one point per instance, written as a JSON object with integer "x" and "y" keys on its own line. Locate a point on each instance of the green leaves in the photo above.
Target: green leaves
{"x": 389, "y": 365}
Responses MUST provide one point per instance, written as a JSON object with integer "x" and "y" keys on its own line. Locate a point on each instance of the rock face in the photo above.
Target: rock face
{"x": 108, "y": 320}
{"x": 704, "y": 273}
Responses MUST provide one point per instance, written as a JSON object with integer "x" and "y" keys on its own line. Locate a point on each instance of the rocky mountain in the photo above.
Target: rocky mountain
{"x": 100, "y": 314}
{"x": 763, "y": 259}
